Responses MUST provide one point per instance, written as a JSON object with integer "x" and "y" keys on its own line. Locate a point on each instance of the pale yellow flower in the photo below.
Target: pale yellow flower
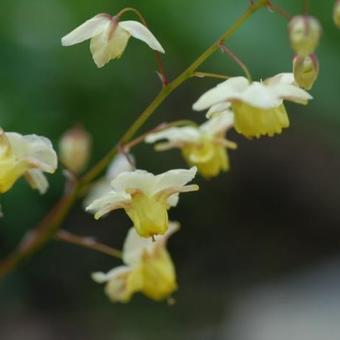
{"x": 257, "y": 106}
{"x": 148, "y": 269}
{"x": 27, "y": 156}
{"x": 145, "y": 198}
{"x": 204, "y": 146}
{"x": 109, "y": 37}
{"x": 336, "y": 13}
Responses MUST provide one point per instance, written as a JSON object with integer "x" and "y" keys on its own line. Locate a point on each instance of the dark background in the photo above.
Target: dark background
{"x": 271, "y": 219}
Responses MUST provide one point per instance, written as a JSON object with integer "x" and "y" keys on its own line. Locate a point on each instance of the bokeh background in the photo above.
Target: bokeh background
{"x": 258, "y": 256}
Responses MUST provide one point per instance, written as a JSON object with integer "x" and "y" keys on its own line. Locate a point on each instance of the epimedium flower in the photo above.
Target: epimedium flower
{"x": 25, "y": 155}
{"x": 145, "y": 197}
{"x": 109, "y": 37}
{"x": 121, "y": 163}
{"x": 147, "y": 268}
{"x": 258, "y": 106}
{"x": 204, "y": 146}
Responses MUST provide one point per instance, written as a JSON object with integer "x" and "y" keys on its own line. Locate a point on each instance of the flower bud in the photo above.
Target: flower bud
{"x": 304, "y": 34}
{"x": 74, "y": 149}
{"x": 306, "y": 70}
{"x": 336, "y": 13}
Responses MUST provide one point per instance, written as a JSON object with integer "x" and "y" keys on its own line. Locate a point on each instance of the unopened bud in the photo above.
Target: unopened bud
{"x": 74, "y": 149}
{"x": 336, "y": 13}
{"x": 304, "y": 34}
{"x": 306, "y": 70}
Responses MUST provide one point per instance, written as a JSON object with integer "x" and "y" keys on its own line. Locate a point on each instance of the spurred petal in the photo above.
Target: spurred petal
{"x": 87, "y": 30}
{"x": 218, "y": 124}
{"x": 139, "y": 31}
{"x": 37, "y": 180}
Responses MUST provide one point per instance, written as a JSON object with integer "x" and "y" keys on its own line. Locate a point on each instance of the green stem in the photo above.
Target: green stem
{"x": 36, "y": 239}
{"x": 210, "y": 75}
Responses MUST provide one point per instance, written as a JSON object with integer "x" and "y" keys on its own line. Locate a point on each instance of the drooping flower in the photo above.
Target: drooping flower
{"x": 74, "y": 149}
{"x": 304, "y": 34}
{"x": 102, "y": 186}
{"x": 306, "y": 70}
{"x": 28, "y": 156}
{"x": 148, "y": 269}
{"x": 258, "y": 106}
{"x": 145, "y": 198}
{"x": 109, "y": 37}
{"x": 204, "y": 147}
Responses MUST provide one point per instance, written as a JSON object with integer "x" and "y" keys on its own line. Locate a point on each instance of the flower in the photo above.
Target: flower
{"x": 304, "y": 34}
{"x": 74, "y": 149}
{"x": 109, "y": 37}
{"x": 258, "y": 106}
{"x": 306, "y": 70}
{"x": 204, "y": 146}
{"x": 28, "y": 156}
{"x": 336, "y": 13}
{"x": 145, "y": 198}
{"x": 148, "y": 269}
{"x": 102, "y": 186}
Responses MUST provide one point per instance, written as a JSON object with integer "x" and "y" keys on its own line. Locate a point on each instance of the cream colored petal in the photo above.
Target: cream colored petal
{"x": 37, "y": 180}
{"x": 281, "y": 78}
{"x": 108, "y": 45}
{"x": 134, "y": 180}
{"x": 177, "y": 135}
{"x": 218, "y": 123}
{"x": 35, "y": 149}
{"x": 108, "y": 202}
{"x": 222, "y": 92}
{"x": 87, "y": 30}
{"x": 291, "y": 93}
{"x": 139, "y": 31}
{"x": 101, "y": 277}
{"x": 135, "y": 246}
{"x": 119, "y": 165}
{"x": 218, "y": 108}
{"x": 174, "y": 178}
{"x": 98, "y": 189}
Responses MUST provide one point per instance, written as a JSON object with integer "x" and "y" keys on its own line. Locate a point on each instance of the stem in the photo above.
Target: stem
{"x": 87, "y": 242}
{"x": 209, "y": 75}
{"x": 159, "y": 61}
{"x": 279, "y": 10}
{"x": 51, "y": 223}
{"x": 237, "y": 60}
{"x": 306, "y": 7}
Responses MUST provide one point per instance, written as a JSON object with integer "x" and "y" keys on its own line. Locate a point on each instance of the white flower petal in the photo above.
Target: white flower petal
{"x": 281, "y": 78}
{"x": 176, "y": 135}
{"x": 108, "y": 202}
{"x": 134, "y": 180}
{"x": 37, "y": 180}
{"x": 218, "y": 108}
{"x": 139, "y": 31}
{"x": 120, "y": 164}
{"x": 222, "y": 92}
{"x": 87, "y": 30}
{"x": 291, "y": 93}
{"x": 135, "y": 246}
{"x": 109, "y": 45}
{"x": 98, "y": 189}
{"x": 174, "y": 179}
{"x": 218, "y": 124}
{"x": 101, "y": 277}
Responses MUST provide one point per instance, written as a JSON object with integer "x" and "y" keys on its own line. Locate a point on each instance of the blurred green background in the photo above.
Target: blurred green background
{"x": 275, "y": 214}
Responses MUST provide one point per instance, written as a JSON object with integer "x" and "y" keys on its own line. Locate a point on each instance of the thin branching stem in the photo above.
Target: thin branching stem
{"x": 87, "y": 242}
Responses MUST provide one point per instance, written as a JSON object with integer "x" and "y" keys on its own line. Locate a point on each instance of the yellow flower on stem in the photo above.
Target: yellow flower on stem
{"x": 109, "y": 37}
{"x": 148, "y": 269}
{"x": 204, "y": 146}
{"x": 145, "y": 198}
{"x": 258, "y": 106}
{"x": 27, "y": 156}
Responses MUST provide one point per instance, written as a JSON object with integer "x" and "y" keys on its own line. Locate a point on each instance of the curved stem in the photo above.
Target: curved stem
{"x": 159, "y": 61}
{"x": 87, "y": 242}
{"x": 36, "y": 239}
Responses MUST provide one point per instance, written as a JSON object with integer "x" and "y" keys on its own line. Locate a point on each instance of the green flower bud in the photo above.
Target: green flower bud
{"x": 304, "y": 34}
{"x": 306, "y": 70}
{"x": 336, "y": 13}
